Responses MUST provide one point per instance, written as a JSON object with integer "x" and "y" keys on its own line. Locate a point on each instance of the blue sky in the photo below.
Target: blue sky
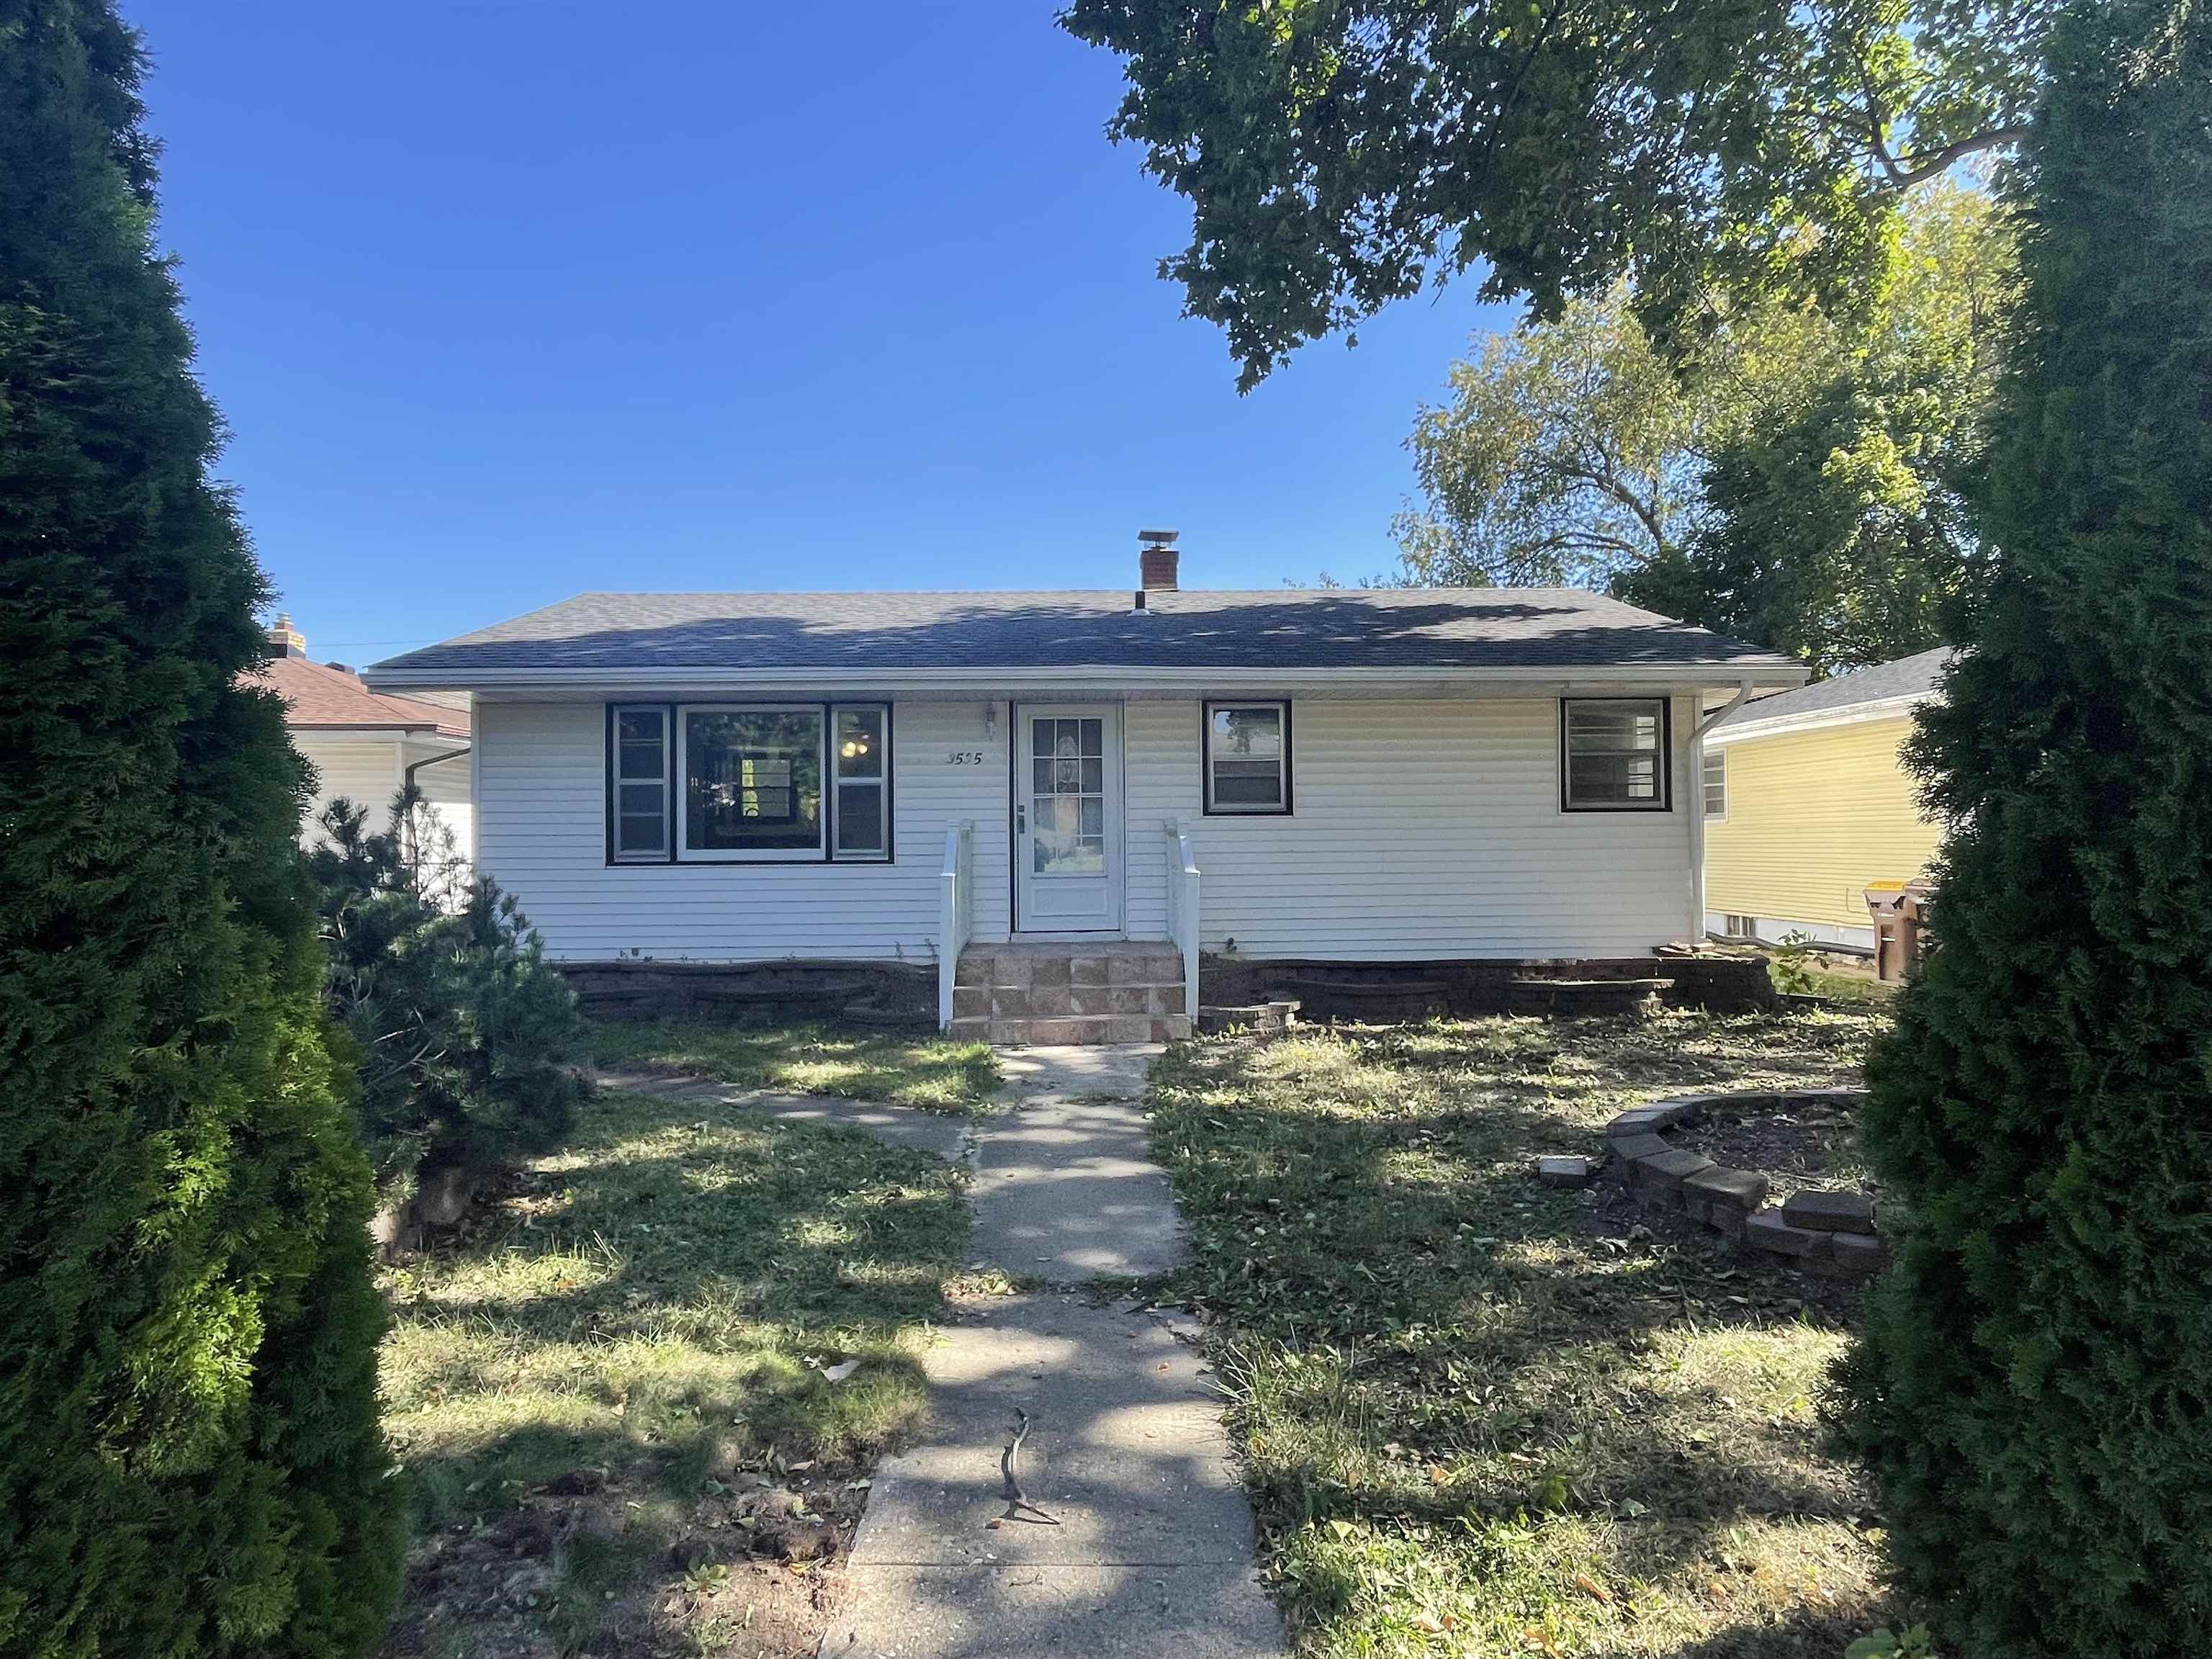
{"x": 506, "y": 301}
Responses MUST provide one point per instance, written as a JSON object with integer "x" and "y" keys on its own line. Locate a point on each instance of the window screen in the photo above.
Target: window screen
{"x": 1248, "y": 757}
{"x": 1613, "y": 753}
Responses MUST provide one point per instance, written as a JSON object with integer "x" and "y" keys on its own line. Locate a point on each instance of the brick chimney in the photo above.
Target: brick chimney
{"x": 1155, "y": 560}
{"x": 288, "y": 641}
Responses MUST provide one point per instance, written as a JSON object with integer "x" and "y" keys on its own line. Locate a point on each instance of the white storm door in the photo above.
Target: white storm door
{"x": 1067, "y": 818}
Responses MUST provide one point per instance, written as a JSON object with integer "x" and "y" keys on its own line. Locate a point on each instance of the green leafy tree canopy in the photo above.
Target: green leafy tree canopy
{"x": 1338, "y": 154}
{"x": 1793, "y": 478}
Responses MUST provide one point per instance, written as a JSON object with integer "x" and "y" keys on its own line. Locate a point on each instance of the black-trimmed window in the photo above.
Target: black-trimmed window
{"x": 736, "y": 783}
{"x": 1613, "y": 755}
{"x": 1248, "y": 757}
{"x": 859, "y": 758}
{"x": 638, "y": 765}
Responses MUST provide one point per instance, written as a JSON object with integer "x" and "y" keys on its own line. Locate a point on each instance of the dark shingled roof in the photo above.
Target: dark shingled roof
{"x": 1908, "y": 677}
{"x": 1291, "y": 630}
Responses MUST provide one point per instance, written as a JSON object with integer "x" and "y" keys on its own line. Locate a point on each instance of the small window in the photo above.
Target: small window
{"x": 1248, "y": 757}
{"x": 1613, "y": 754}
{"x": 638, "y": 814}
{"x": 859, "y": 752}
{"x": 1715, "y": 782}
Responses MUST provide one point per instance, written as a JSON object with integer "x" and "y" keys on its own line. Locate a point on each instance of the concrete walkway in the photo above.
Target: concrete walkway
{"x": 1127, "y": 1451}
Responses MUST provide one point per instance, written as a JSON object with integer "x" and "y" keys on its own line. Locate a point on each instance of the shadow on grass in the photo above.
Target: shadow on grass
{"x": 1459, "y": 1391}
{"x": 911, "y": 1069}
{"x": 635, "y": 1328}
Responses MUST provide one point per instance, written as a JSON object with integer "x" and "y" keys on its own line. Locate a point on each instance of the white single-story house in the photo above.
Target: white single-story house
{"x": 1353, "y": 775}
{"x": 366, "y": 745}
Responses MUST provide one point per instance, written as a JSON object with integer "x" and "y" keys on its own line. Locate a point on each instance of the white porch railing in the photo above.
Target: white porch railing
{"x": 1183, "y": 911}
{"x": 956, "y": 908}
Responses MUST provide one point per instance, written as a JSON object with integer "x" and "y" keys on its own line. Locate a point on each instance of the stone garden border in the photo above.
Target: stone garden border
{"x": 1830, "y": 1233}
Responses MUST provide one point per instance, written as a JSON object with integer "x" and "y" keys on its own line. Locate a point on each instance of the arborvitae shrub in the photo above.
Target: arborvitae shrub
{"x": 2035, "y": 1390}
{"x": 466, "y": 1037}
{"x": 190, "y": 1460}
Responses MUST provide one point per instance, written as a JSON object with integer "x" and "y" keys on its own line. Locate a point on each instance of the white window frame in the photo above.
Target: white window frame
{"x": 1664, "y": 754}
{"x": 1707, "y": 783}
{"x": 1281, "y": 807}
{"x": 617, "y": 853}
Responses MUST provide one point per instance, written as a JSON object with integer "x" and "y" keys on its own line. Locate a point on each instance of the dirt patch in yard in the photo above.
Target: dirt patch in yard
{"x": 1797, "y": 1148}
{"x": 570, "y": 1568}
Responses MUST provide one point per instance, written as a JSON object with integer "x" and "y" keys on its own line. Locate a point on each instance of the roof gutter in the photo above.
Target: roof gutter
{"x": 1722, "y": 713}
{"x": 1815, "y": 719}
{"x": 995, "y": 678}
{"x": 408, "y": 773}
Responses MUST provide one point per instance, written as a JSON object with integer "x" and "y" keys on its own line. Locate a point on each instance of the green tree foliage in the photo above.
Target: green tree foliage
{"x": 2031, "y": 1386}
{"x": 1568, "y": 450}
{"x": 1834, "y": 521}
{"x": 467, "y": 1038}
{"x": 190, "y": 1460}
{"x": 1337, "y": 153}
{"x": 1796, "y": 478}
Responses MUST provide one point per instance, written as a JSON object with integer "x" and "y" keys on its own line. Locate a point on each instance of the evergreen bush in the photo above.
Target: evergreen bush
{"x": 2035, "y": 1390}
{"x": 466, "y": 1039}
{"x": 190, "y": 1459}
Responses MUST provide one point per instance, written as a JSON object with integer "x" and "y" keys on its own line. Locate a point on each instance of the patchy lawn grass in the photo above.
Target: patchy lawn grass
{"x": 606, "y": 1394}
{"x": 1484, "y": 1417}
{"x": 931, "y": 1072}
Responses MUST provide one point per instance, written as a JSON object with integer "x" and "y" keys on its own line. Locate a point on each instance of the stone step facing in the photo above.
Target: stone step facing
{"x": 1083, "y": 991}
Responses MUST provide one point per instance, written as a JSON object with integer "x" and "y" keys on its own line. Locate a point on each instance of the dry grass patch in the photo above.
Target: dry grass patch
{"x": 1478, "y": 1416}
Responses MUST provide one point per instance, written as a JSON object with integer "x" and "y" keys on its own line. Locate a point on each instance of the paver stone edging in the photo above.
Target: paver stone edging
{"x": 1826, "y": 1232}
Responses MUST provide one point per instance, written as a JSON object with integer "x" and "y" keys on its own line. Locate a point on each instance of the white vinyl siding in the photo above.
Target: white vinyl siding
{"x": 363, "y": 768}
{"x": 444, "y": 786}
{"x": 1427, "y": 829}
{"x": 542, "y": 834}
{"x": 368, "y": 768}
{"x": 1422, "y": 829}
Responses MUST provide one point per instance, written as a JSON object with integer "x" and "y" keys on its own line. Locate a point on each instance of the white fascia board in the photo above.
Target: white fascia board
{"x": 1097, "y": 678}
{"x": 1817, "y": 720}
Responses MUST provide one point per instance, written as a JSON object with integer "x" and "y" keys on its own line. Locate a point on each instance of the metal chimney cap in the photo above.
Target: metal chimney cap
{"x": 1159, "y": 537}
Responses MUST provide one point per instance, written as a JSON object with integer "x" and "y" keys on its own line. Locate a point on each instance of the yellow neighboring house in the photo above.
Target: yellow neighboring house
{"x": 1806, "y": 805}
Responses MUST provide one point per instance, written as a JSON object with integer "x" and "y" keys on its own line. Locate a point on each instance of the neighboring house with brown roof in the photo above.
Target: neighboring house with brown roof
{"x": 1347, "y": 776}
{"x": 365, "y": 744}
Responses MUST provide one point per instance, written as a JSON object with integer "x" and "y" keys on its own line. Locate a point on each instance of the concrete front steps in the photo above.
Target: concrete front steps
{"x": 1091, "y": 991}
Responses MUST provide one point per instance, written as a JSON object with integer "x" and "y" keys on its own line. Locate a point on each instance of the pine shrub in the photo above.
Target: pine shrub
{"x": 2035, "y": 1390}
{"x": 190, "y": 1459}
{"x": 466, "y": 1039}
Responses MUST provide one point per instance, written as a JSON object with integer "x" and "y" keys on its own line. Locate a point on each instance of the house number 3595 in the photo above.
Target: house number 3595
{"x": 965, "y": 757}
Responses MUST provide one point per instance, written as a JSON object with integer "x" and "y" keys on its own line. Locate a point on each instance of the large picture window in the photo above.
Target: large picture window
{"x": 1248, "y": 757}
{"x": 1613, "y": 754}
{"x": 732, "y": 783}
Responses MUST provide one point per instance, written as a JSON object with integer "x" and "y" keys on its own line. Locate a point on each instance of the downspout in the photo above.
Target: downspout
{"x": 1697, "y": 795}
{"x": 407, "y": 787}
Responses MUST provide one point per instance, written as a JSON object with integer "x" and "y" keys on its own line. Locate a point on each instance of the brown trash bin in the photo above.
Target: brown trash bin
{"x": 1899, "y": 908}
